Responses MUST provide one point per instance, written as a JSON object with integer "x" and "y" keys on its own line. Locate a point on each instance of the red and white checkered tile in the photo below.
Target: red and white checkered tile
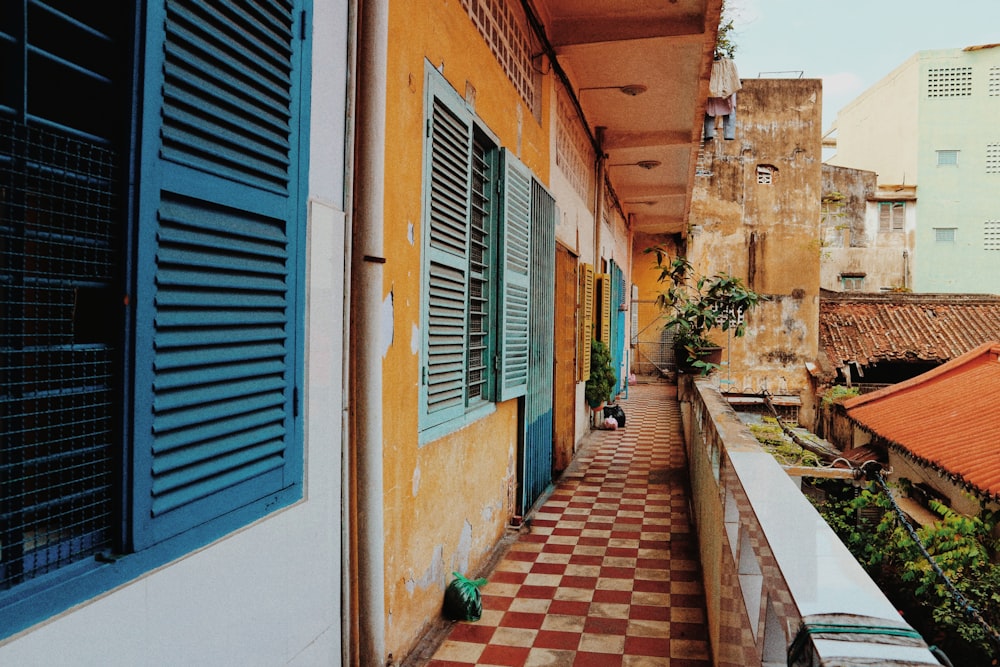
{"x": 608, "y": 574}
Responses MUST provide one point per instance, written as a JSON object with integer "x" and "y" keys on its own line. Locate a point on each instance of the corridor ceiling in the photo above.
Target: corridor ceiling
{"x": 640, "y": 69}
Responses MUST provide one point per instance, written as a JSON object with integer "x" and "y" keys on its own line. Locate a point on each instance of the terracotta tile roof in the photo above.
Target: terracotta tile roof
{"x": 871, "y": 328}
{"x": 947, "y": 418}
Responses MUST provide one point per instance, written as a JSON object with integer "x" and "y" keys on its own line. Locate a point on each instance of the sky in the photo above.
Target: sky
{"x": 851, "y": 44}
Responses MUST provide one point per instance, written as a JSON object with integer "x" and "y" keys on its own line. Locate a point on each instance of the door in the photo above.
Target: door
{"x": 564, "y": 385}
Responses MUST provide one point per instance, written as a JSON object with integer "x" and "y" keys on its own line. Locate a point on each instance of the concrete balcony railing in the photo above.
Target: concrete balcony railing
{"x": 781, "y": 587}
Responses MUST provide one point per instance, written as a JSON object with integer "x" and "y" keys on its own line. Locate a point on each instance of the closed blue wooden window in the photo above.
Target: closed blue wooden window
{"x": 476, "y": 267}
{"x": 154, "y": 262}
{"x": 219, "y": 279}
{"x": 515, "y": 278}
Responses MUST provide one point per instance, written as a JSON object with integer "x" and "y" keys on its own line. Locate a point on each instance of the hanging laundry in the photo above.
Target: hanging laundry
{"x": 725, "y": 80}
{"x": 725, "y": 107}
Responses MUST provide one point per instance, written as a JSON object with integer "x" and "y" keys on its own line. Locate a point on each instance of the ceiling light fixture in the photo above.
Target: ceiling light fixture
{"x": 644, "y": 164}
{"x": 631, "y": 89}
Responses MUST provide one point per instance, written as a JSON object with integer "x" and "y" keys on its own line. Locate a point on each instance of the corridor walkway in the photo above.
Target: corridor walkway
{"x": 608, "y": 574}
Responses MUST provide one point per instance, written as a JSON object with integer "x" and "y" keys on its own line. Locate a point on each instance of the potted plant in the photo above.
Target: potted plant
{"x": 601, "y": 385}
{"x": 699, "y": 305}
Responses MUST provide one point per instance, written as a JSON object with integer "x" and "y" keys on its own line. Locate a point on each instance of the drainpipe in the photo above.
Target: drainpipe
{"x": 366, "y": 367}
{"x": 599, "y": 197}
{"x": 906, "y": 268}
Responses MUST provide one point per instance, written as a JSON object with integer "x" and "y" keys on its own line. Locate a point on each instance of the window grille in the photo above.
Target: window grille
{"x": 765, "y": 174}
{"x": 504, "y": 27}
{"x": 944, "y": 234}
{"x": 991, "y": 235}
{"x": 480, "y": 265}
{"x": 59, "y": 237}
{"x": 949, "y": 82}
{"x": 947, "y": 158}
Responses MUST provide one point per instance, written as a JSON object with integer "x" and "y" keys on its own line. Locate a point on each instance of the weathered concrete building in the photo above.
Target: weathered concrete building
{"x": 755, "y": 215}
{"x": 867, "y": 234}
{"x": 918, "y": 130}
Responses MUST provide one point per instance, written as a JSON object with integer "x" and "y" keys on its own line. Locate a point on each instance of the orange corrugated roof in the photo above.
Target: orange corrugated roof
{"x": 948, "y": 417}
{"x": 869, "y": 328}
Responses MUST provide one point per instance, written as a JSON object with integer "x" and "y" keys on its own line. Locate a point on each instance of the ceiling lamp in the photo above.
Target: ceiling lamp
{"x": 631, "y": 89}
{"x": 643, "y": 164}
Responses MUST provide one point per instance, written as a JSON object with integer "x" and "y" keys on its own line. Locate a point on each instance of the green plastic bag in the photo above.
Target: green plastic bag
{"x": 462, "y": 600}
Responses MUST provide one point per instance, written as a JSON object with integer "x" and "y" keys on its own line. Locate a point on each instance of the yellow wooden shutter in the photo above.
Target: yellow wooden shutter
{"x": 586, "y": 320}
{"x": 604, "y": 287}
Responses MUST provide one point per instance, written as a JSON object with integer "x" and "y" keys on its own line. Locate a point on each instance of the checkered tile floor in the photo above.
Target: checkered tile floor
{"x": 608, "y": 574}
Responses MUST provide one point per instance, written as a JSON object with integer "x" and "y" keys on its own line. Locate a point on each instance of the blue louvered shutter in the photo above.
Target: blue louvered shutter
{"x": 448, "y": 166}
{"x": 515, "y": 276}
{"x": 218, "y": 296}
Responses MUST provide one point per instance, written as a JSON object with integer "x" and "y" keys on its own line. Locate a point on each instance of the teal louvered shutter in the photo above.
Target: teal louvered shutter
{"x": 448, "y": 169}
{"x": 515, "y": 276}
{"x": 218, "y": 297}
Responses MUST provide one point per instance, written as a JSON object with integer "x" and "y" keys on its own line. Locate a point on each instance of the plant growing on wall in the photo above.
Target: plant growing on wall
{"x": 700, "y": 305}
{"x": 600, "y": 387}
{"x": 725, "y": 47}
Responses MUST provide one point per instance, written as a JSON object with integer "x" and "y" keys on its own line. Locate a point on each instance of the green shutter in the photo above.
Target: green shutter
{"x": 448, "y": 170}
{"x": 218, "y": 295}
{"x": 515, "y": 275}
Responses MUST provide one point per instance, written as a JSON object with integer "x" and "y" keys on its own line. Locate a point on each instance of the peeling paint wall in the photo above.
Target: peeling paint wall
{"x": 448, "y": 501}
{"x": 755, "y": 214}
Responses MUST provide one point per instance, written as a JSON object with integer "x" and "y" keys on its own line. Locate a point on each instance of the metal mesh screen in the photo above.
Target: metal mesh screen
{"x": 59, "y": 330}
{"x": 652, "y": 341}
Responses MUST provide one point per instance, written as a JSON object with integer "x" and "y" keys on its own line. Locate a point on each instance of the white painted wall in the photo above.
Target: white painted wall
{"x": 876, "y": 131}
{"x": 269, "y": 594}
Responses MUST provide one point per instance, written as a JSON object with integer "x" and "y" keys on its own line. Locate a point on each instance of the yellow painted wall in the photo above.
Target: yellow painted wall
{"x": 446, "y": 502}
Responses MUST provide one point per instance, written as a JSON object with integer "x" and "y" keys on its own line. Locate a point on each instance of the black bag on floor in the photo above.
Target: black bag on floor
{"x": 617, "y": 413}
{"x": 462, "y": 600}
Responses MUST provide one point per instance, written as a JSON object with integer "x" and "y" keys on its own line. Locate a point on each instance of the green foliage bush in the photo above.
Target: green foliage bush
{"x": 964, "y": 547}
{"x": 601, "y": 384}
{"x": 838, "y": 393}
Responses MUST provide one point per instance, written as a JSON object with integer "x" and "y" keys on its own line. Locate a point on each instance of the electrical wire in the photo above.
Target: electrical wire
{"x": 872, "y": 470}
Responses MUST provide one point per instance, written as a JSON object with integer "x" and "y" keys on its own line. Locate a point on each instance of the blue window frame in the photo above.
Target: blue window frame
{"x": 152, "y": 332}
{"x": 476, "y": 272}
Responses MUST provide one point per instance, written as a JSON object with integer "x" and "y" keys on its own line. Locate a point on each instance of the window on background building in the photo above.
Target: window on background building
{"x": 944, "y": 234}
{"x": 948, "y": 158}
{"x": 478, "y": 201}
{"x": 766, "y": 174}
{"x": 151, "y": 358}
{"x": 852, "y": 282}
{"x": 991, "y": 235}
{"x": 891, "y": 216}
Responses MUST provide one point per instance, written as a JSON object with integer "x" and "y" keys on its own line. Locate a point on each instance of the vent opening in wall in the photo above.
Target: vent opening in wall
{"x": 994, "y": 81}
{"x": 991, "y": 235}
{"x": 766, "y": 174}
{"x": 949, "y": 82}
{"x": 993, "y": 158}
